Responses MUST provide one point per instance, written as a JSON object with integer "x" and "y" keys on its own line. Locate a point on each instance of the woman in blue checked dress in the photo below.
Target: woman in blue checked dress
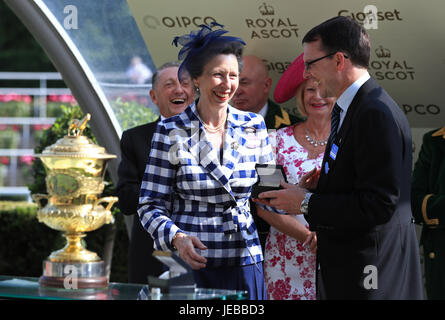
{"x": 205, "y": 157}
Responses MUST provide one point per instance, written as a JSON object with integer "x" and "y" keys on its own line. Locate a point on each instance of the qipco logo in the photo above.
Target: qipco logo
{"x": 421, "y": 109}
{"x": 153, "y": 22}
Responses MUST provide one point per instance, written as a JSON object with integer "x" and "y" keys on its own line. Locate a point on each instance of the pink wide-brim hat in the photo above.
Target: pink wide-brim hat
{"x": 290, "y": 81}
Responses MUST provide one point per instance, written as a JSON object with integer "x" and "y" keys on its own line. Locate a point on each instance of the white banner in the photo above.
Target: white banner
{"x": 407, "y": 38}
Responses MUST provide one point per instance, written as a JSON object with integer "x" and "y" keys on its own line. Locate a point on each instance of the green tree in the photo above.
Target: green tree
{"x": 19, "y": 51}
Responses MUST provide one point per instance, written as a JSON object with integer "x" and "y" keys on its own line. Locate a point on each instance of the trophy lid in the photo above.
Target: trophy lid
{"x": 75, "y": 145}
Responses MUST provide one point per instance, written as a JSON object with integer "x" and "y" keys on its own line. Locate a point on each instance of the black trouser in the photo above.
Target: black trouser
{"x": 433, "y": 242}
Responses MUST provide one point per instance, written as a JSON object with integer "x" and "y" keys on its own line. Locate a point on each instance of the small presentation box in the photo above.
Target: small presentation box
{"x": 269, "y": 178}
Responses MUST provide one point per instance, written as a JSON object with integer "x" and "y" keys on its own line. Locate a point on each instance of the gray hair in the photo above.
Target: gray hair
{"x": 155, "y": 77}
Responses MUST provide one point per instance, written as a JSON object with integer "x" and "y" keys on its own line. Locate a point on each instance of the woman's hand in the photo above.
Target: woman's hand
{"x": 311, "y": 241}
{"x": 310, "y": 180}
{"x": 186, "y": 248}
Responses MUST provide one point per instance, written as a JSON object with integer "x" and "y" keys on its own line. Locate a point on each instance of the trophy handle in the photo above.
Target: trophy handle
{"x": 39, "y": 196}
{"x": 110, "y": 200}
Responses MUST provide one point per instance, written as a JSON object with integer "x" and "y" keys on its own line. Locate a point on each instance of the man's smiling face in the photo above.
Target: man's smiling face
{"x": 170, "y": 95}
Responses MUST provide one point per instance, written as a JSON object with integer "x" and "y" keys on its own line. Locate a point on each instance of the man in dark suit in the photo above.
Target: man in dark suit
{"x": 252, "y": 95}
{"x": 172, "y": 97}
{"x": 360, "y": 209}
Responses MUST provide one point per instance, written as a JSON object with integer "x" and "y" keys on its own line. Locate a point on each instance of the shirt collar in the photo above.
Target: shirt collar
{"x": 344, "y": 101}
{"x": 263, "y": 110}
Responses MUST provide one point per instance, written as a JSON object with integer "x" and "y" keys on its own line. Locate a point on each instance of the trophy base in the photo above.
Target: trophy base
{"x": 73, "y": 275}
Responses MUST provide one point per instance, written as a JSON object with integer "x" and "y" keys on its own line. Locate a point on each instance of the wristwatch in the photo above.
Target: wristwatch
{"x": 304, "y": 206}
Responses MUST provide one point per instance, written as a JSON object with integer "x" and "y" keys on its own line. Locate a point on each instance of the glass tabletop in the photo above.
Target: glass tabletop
{"x": 28, "y": 288}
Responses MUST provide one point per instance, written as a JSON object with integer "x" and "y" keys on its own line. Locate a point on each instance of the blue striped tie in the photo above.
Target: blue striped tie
{"x": 335, "y": 120}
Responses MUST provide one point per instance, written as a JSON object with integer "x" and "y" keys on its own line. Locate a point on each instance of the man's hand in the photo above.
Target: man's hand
{"x": 186, "y": 248}
{"x": 287, "y": 199}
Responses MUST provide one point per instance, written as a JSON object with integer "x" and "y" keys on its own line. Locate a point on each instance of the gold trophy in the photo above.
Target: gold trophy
{"x": 75, "y": 168}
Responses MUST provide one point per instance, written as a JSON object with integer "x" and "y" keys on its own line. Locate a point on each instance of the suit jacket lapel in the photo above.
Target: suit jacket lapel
{"x": 209, "y": 159}
{"x": 234, "y": 141}
{"x": 342, "y": 133}
{"x": 207, "y": 156}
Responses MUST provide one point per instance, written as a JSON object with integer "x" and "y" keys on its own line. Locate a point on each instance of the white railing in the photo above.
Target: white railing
{"x": 10, "y": 172}
{"x": 114, "y": 84}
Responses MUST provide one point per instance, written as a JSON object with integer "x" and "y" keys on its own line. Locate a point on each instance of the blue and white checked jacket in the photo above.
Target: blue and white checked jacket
{"x": 211, "y": 201}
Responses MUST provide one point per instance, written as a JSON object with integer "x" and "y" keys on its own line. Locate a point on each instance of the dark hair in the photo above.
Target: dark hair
{"x": 345, "y": 35}
{"x": 195, "y": 64}
{"x": 155, "y": 77}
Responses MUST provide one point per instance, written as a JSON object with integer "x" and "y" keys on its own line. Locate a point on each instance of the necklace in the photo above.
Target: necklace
{"x": 215, "y": 129}
{"x": 314, "y": 142}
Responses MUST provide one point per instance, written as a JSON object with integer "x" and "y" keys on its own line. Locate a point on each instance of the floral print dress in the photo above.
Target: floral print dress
{"x": 289, "y": 268}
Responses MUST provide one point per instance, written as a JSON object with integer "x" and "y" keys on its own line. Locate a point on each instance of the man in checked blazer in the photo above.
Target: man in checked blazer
{"x": 171, "y": 97}
{"x": 360, "y": 209}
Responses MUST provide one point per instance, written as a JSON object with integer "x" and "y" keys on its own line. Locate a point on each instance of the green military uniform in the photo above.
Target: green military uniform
{"x": 276, "y": 118}
{"x": 428, "y": 205}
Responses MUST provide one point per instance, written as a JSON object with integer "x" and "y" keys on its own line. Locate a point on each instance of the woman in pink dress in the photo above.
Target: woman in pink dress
{"x": 289, "y": 266}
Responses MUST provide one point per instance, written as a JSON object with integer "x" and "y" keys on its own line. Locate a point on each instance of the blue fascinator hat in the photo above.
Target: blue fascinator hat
{"x": 195, "y": 45}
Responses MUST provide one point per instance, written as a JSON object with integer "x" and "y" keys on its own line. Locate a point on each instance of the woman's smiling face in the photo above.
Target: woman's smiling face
{"x": 314, "y": 104}
{"x": 219, "y": 80}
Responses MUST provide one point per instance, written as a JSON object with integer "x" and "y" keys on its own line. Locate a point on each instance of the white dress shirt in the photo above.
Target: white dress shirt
{"x": 344, "y": 101}
{"x": 263, "y": 110}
